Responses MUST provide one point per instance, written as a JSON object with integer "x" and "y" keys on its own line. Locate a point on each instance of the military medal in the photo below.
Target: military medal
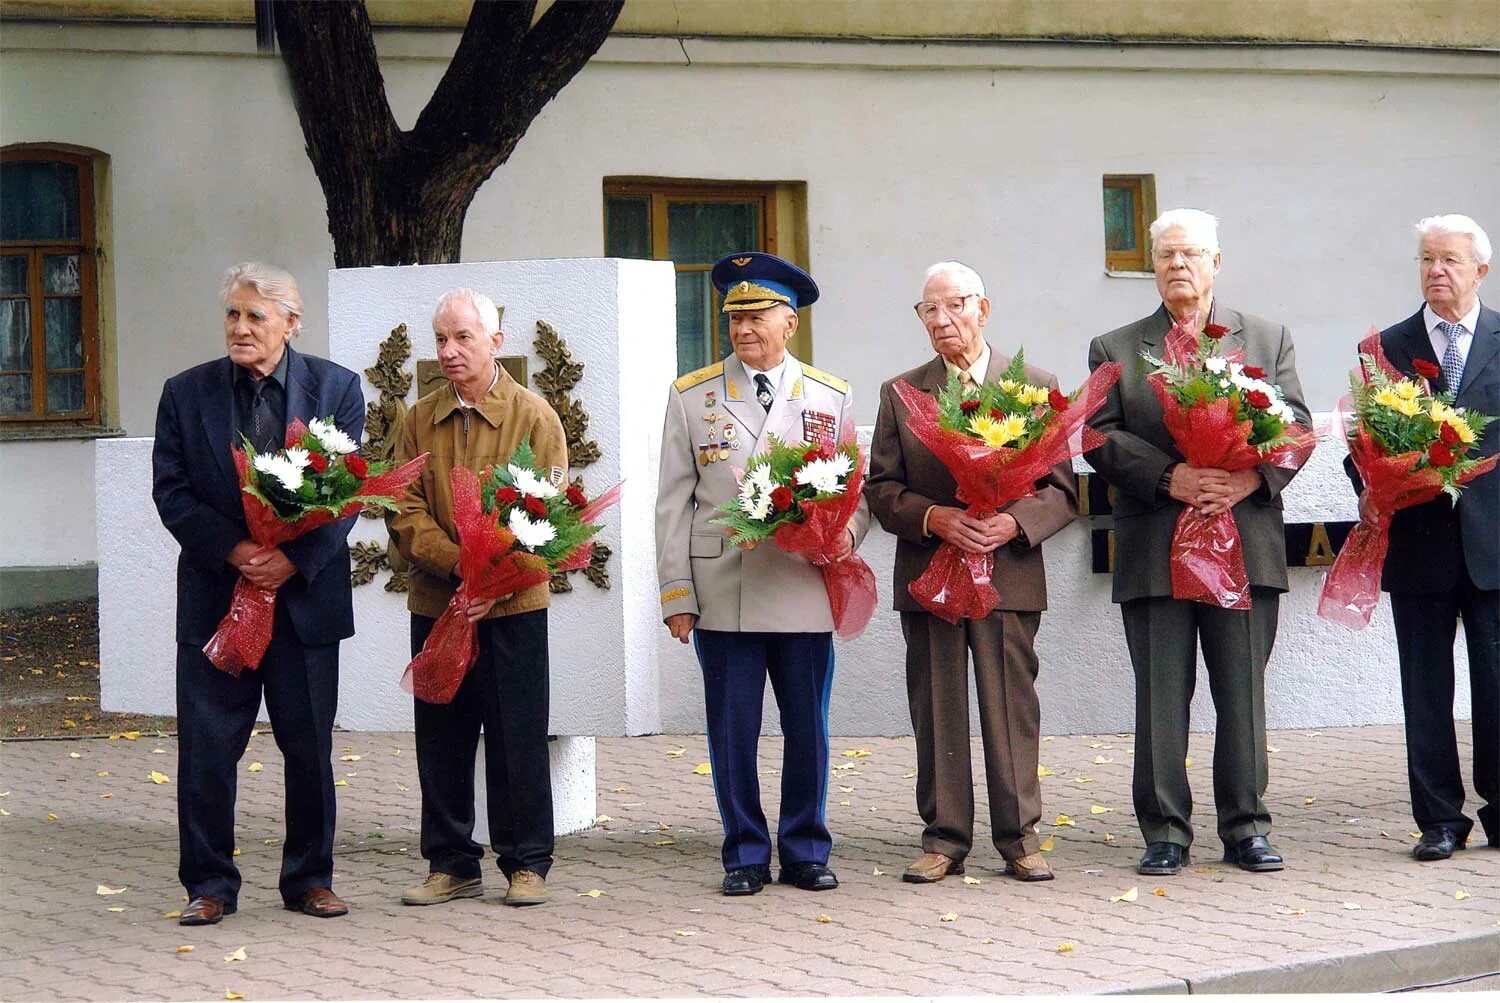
{"x": 723, "y": 449}
{"x": 703, "y": 457}
{"x": 818, "y": 427}
{"x": 710, "y": 400}
{"x": 731, "y": 436}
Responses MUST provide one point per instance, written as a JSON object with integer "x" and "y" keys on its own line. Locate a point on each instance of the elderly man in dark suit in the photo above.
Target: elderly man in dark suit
{"x": 1444, "y": 561}
{"x": 913, "y": 496}
{"x": 260, "y": 387}
{"x": 1153, "y": 484}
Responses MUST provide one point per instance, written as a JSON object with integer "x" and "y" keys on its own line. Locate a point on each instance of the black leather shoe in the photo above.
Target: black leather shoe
{"x": 809, "y": 877}
{"x": 1163, "y": 858}
{"x": 747, "y": 880}
{"x": 1253, "y": 853}
{"x": 1437, "y": 843}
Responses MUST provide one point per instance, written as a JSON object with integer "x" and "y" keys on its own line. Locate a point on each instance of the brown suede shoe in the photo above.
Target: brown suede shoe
{"x": 526, "y": 888}
{"x": 205, "y": 910}
{"x": 930, "y": 867}
{"x": 1032, "y": 867}
{"x": 319, "y": 902}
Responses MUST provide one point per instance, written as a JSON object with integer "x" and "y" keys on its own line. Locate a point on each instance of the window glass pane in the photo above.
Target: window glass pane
{"x": 13, "y": 270}
{"x": 1119, "y": 219}
{"x": 627, "y": 227}
{"x": 15, "y": 336}
{"x": 64, "y": 320}
{"x": 703, "y": 232}
{"x": 60, "y": 274}
{"x": 15, "y": 394}
{"x": 65, "y": 393}
{"x": 40, "y": 201}
{"x": 694, "y": 300}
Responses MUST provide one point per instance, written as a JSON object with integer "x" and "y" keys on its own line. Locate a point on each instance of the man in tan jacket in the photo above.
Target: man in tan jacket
{"x": 477, "y": 419}
{"x": 913, "y": 496}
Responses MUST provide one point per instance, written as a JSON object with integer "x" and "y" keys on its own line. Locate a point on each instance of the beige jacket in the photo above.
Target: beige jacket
{"x": 699, "y": 572}
{"x": 455, "y": 436}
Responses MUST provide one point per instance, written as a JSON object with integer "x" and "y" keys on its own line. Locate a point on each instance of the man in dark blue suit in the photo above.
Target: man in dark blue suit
{"x": 1444, "y": 563}
{"x": 256, "y": 391}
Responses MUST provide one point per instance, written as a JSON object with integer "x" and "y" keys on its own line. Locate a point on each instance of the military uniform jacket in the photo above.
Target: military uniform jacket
{"x": 699, "y": 571}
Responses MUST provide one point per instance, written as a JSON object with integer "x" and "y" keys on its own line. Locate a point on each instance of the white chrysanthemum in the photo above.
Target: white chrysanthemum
{"x": 823, "y": 476}
{"x": 1235, "y": 369}
{"x": 279, "y": 467}
{"x": 755, "y": 491}
{"x": 297, "y": 456}
{"x": 529, "y": 483}
{"x": 1224, "y": 384}
{"x": 1215, "y": 364}
{"x": 531, "y": 533}
{"x": 331, "y": 437}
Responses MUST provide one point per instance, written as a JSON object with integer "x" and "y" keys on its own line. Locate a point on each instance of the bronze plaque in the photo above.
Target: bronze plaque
{"x": 430, "y": 375}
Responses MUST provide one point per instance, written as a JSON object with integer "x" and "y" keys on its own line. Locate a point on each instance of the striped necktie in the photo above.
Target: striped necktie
{"x": 1453, "y": 360}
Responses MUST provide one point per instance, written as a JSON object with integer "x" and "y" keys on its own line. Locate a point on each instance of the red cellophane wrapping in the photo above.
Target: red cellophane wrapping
{"x": 958, "y": 584}
{"x": 490, "y": 565}
{"x": 1352, "y": 586}
{"x": 822, "y": 535}
{"x": 243, "y": 635}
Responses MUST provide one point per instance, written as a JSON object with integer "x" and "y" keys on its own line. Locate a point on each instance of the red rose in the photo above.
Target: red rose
{"x": 1215, "y": 330}
{"x": 1440, "y": 455}
{"x": 356, "y": 465}
{"x": 1057, "y": 400}
{"x": 781, "y": 498}
{"x": 968, "y": 406}
{"x": 318, "y": 462}
{"x": 536, "y": 507}
{"x": 812, "y": 453}
{"x": 1449, "y": 435}
{"x": 997, "y": 414}
{"x": 1258, "y": 399}
{"x": 507, "y": 496}
{"x": 576, "y": 498}
{"x": 1255, "y": 372}
{"x": 1425, "y": 369}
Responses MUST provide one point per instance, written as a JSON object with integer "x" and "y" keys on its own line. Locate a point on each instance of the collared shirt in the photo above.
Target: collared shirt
{"x": 773, "y": 374}
{"x": 251, "y": 392}
{"x": 978, "y": 370}
{"x": 1439, "y": 340}
{"x": 493, "y": 380}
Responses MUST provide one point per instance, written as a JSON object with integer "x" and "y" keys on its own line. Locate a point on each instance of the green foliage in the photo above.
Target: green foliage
{"x": 501, "y": 492}
{"x": 1010, "y": 396}
{"x": 777, "y": 467}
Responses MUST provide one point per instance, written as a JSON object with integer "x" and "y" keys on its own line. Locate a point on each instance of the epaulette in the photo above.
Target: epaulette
{"x": 698, "y": 376}
{"x": 827, "y": 379}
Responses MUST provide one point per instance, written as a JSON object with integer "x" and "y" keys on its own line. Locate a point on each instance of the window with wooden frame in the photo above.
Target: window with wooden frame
{"x": 49, "y": 305}
{"x": 1129, "y": 208}
{"x": 693, "y": 224}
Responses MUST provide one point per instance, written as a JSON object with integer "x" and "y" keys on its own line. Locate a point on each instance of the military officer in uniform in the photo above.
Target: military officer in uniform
{"x": 761, "y": 612}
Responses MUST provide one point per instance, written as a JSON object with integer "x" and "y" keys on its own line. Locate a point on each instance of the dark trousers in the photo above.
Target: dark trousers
{"x": 1425, "y": 628}
{"x": 937, "y": 690}
{"x": 505, "y": 694}
{"x": 1163, "y": 635}
{"x": 735, "y": 667}
{"x": 215, "y": 714}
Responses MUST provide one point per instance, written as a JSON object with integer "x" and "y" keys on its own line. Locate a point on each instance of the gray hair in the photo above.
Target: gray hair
{"x": 958, "y": 271}
{"x": 484, "y": 307}
{"x": 275, "y": 284}
{"x": 1455, "y": 223}
{"x": 1202, "y": 228}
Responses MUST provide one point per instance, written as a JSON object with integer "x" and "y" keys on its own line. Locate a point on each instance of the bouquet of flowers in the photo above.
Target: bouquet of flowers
{"x": 1220, "y": 413}
{"x": 803, "y": 497}
{"x": 997, "y": 441}
{"x": 1409, "y": 445}
{"x": 318, "y": 478}
{"x": 515, "y": 529}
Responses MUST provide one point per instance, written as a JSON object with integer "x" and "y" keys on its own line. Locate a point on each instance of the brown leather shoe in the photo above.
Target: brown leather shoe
{"x": 319, "y": 902}
{"x": 205, "y": 910}
{"x": 1032, "y": 867}
{"x": 930, "y": 867}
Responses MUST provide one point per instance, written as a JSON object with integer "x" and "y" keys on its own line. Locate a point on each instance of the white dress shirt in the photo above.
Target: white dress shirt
{"x": 1439, "y": 340}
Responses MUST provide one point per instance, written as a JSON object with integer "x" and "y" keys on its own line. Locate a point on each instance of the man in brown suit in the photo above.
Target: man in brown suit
{"x": 913, "y": 496}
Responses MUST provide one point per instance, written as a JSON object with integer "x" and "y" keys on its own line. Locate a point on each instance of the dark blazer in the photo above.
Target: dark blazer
{"x": 197, "y": 494}
{"x": 1139, "y": 449}
{"x": 905, "y": 479}
{"x": 1428, "y": 541}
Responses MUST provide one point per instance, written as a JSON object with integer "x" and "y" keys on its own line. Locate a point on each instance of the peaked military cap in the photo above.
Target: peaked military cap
{"x": 754, "y": 280}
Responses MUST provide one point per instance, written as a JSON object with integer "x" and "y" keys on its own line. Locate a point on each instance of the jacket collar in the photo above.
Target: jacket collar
{"x": 492, "y": 407}
{"x": 1159, "y": 323}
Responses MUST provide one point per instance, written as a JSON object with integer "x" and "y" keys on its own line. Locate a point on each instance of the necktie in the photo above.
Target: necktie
{"x": 1453, "y": 362}
{"x": 763, "y": 391}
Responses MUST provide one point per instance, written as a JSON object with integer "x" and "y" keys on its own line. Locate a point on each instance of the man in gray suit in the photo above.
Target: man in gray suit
{"x": 753, "y": 613}
{"x": 1153, "y": 484}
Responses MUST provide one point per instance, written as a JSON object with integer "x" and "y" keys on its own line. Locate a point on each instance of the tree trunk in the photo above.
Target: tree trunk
{"x": 399, "y": 198}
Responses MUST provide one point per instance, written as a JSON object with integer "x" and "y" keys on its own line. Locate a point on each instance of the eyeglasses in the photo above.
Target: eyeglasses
{"x": 1448, "y": 261}
{"x": 1190, "y": 255}
{"x": 954, "y": 305}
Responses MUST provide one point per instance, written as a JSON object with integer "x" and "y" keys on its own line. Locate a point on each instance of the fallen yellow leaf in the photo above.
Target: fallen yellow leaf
{"x": 1102, "y": 760}
{"x": 107, "y": 890}
{"x": 1066, "y": 947}
{"x": 102, "y": 773}
{"x": 1159, "y": 892}
{"x": 907, "y": 776}
{"x": 948, "y": 917}
{"x": 1126, "y": 896}
{"x": 75, "y": 755}
{"x": 230, "y": 994}
{"x": 157, "y": 777}
{"x": 1272, "y": 748}
{"x": 988, "y": 940}
{"x": 972, "y": 880}
{"x": 823, "y": 917}
{"x": 115, "y": 908}
{"x": 1098, "y": 809}
{"x": 184, "y": 948}
{"x": 843, "y": 804}
{"x": 174, "y": 914}
{"x": 618, "y": 790}
{"x": 130, "y": 736}
{"x": 1042, "y": 771}
{"x": 601, "y": 819}
{"x": 1352, "y": 905}
{"x": 3, "y": 813}
{"x": 1048, "y": 844}
{"x": 675, "y": 753}
{"x": 592, "y": 893}
{"x": 1415, "y": 835}
{"x": 1291, "y": 912}
{"x": 1049, "y": 738}
{"x": 1109, "y": 837}
{"x": 237, "y": 955}
{"x": 1083, "y": 780}
{"x": 703, "y": 769}
{"x": 236, "y": 852}
{"x": 666, "y": 842}
{"x": 106, "y": 796}
{"x": 846, "y": 790}
{"x": 856, "y": 753}
{"x": 686, "y": 933}
{"x": 1309, "y": 799}
{"x": 878, "y": 872}
{"x": 1062, "y": 820}
{"x": 51, "y": 817}
{"x": 341, "y": 783}
{"x": 1188, "y": 762}
{"x": 350, "y": 759}
{"x": 1461, "y": 895}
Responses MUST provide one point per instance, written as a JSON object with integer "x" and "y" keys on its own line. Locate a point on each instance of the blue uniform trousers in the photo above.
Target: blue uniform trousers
{"x": 735, "y": 667}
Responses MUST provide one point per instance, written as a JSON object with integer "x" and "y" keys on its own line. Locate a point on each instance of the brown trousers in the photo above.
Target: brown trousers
{"x": 937, "y": 689}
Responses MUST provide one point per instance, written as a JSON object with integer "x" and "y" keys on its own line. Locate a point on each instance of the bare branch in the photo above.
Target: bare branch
{"x": 329, "y": 53}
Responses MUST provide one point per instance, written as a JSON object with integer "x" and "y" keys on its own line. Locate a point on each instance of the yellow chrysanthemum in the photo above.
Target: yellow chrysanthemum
{"x": 1010, "y": 386}
{"x": 1392, "y": 398}
{"x": 1440, "y": 412}
{"x": 1465, "y": 433}
{"x": 1032, "y": 396}
{"x": 1406, "y": 390}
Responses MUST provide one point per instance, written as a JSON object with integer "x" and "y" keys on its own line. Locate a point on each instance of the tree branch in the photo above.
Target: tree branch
{"x": 337, "y": 86}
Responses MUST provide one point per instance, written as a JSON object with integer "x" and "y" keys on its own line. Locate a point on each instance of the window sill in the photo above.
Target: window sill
{"x": 42, "y": 433}
{"x": 1119, "y": 274}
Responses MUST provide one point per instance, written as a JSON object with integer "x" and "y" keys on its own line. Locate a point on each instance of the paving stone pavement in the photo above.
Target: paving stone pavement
{"x": 658, "y": 926}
